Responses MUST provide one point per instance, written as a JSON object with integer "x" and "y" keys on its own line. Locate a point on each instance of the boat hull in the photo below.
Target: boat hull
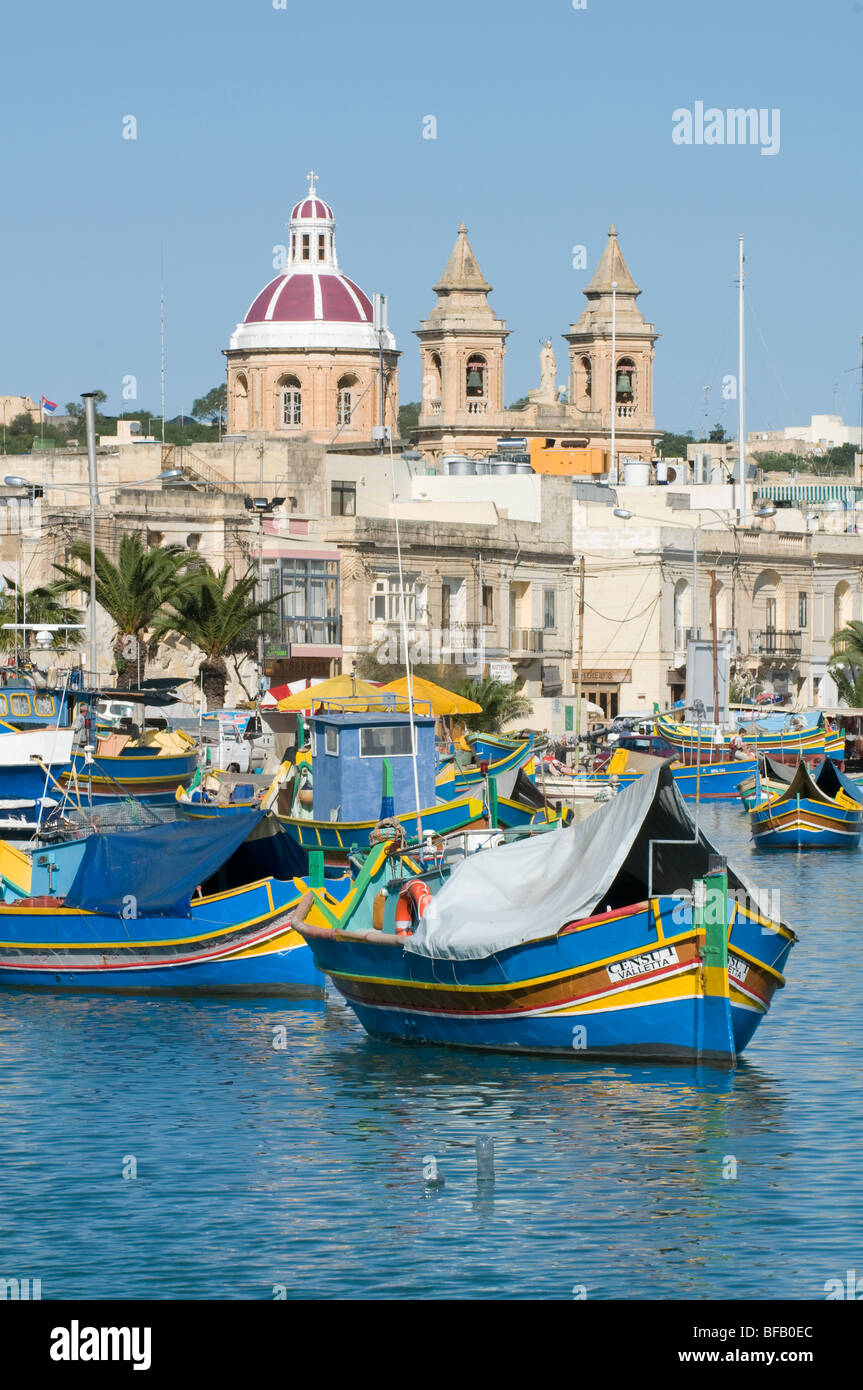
{"x": 805, "y": 824}
{"x": 238, "y": 941}
{"x": 631, "y": 984}
{"x": 153, "y": 780}
{"x": 339, "y": 838}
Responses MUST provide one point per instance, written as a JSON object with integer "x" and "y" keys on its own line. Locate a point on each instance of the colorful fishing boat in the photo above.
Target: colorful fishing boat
{"x": 150, "y": 768}
{"x": 338, "y": 839}
{"x": 615, "y": 937}
{"x": 820, "y": 810}
{"x": 146, "y": 911}
{"x": 786, "y": 737}
{"x": 710, "y": 782}
{"x": 455, "y": 780}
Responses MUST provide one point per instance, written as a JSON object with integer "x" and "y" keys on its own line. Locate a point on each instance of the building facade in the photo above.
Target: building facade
{"x": 309, "y": 360}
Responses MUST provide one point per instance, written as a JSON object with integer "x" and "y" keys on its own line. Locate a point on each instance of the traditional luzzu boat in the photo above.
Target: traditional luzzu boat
{"x": 819, "y": 810}
{"x": 135, "y": 918}
{"x": 454, "y": 779}
{"x": 707, "y": 782}
{"x": 150, "y": 767}
{"x": 615, "y": 937}
{"x": 786, "y": 737}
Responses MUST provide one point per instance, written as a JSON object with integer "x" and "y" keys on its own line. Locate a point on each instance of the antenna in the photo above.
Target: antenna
{"x": 162, "y": 330}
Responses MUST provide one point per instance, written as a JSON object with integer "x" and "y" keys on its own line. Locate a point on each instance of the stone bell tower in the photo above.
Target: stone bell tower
{"x": 462, "y": 346}
{"x": 590, "y": 359}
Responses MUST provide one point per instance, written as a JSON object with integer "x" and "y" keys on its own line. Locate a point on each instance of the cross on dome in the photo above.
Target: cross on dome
{"x": 312, "y": 178}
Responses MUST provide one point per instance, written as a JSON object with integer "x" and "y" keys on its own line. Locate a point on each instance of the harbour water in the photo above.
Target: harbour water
{"x": 190, "y": 1148}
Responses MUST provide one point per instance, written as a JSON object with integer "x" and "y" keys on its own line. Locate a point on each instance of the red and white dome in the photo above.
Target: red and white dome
{"x": 311, "y": 303}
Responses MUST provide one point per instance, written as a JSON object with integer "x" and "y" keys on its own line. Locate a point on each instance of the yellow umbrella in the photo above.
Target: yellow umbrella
{"x": 338, "y": 688}
{"x": 443, "y": 702}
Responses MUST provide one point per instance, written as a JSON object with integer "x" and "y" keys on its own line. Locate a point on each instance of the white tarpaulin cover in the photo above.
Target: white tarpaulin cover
{"x": 499, "y": 898}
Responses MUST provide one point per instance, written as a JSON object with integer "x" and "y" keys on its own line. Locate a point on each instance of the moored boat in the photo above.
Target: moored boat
{"x": 136, "y": 916}
{"x": 614, "y": 937}
{"x": 820, "y": 810}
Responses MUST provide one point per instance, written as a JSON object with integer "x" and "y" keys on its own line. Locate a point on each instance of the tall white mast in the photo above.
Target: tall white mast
{"x": 741, "y": 388}
{"x": 612, "y": 471}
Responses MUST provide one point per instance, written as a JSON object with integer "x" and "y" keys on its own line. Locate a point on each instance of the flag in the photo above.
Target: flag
{"x": 50, "y": 406}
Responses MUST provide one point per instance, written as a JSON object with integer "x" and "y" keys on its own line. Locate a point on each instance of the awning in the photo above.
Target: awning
{"x": 810, "y": 492}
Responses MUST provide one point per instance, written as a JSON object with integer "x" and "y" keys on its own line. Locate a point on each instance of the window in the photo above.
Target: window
{"x": 307, "y": 255}
{"x": 802, "y": 610}
{"x": 331, "y": 742}
{"x": 388, "y": 741}
{"x": 292, "y": 402}
{"x": 307, "y": 602}
{"x": 293, "y": 246}
{"x": 343, "y": 499}
{"x": 487, "y": 605}
{"x": 549, "y": 614}
{"x": 771, "y": 614}
{"x": 343, "y": 408}
{"x": 445, "y": 605}
{"x": 385, "y": 600}
{"x": 20, "y": 704}
{"x": 4, "y": 708}
{"x": 43, "y": 704}
{"x": 322, "y": 242}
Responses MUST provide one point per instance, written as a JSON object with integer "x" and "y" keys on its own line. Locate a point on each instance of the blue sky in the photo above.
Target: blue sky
{"x": 551, "y": 123}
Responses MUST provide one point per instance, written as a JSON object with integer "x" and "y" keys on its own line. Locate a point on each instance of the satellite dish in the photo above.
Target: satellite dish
{"x": 44, "y": 637}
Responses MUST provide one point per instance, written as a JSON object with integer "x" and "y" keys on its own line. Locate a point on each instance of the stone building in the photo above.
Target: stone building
{"x": 305, "y": 360}
{"x": 463, "y": 343}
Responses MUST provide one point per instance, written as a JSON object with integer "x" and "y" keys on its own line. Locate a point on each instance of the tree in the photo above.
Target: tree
{"x": 409, "y": 415}
{"x": 674, "y": 445}
{"x": 131, "y": 592}
{"x": 500, "y": 703}
{"x": 846, "y": 665}
{"x": 717, "y": 435}
{"x": 21, "y": 425}
{"x": 213, "y": 405}
{"x": 37, "y": 606}
{"x": 217, "y": 618}
{"x": 520, "y": 403}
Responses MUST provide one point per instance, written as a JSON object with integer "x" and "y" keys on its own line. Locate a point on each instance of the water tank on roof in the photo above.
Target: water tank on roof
{"x": 636, "y": 473}
{"x": 459, "y": 465}
{"x": 661, "y": 472}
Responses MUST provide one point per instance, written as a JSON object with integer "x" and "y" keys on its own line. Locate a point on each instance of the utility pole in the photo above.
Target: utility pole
{"x": 612, "y": 470}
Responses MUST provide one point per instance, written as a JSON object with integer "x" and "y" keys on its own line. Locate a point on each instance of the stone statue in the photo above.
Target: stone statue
{"x": 548, "y": 372}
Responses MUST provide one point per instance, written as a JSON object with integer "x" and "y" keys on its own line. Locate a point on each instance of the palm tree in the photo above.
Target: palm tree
{"x": 217, "y": 619}
{"x": 131, "y": 592}
{"x": 846, "y": 666}
{"x": 40, "y": 605}
{"x": 500, "y": 703}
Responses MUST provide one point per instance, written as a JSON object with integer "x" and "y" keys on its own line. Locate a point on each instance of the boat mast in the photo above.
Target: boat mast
{"x": 741, "y": 389}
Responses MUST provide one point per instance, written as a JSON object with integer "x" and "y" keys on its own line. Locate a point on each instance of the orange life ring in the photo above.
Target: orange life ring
{"x": 410, "y": 906}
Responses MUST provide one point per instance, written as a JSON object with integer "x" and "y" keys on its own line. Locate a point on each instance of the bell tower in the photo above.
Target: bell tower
{"x": 613, "y": 290}
{"x": 462, "y": 347}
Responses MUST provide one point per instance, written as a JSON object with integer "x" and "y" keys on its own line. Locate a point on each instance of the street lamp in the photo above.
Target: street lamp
{"x": 263, "y": 507}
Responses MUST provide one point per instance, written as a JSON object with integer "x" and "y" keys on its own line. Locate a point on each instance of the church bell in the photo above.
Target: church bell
{"x": 624, "y": 384}
{"x": 474, "y": 380}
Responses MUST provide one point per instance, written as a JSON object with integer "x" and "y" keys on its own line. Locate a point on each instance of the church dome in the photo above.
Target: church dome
{"x": 311, "y": 304}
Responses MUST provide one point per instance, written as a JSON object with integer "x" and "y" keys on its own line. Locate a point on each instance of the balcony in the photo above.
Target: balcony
{"x": 772, "y": 642}
{"x": 477, "y": 407}
{"x": 526, "y": 641}
{"x": 305, "y": 637}
{"x": 625, "y": 412}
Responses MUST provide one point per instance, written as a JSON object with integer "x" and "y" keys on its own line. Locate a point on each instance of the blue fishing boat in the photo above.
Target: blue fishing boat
{"x": 455, "y": 780}
{"x": 172, "y": 907}
{"x": 820, "y": 809}
{"x": 622, "y": 936}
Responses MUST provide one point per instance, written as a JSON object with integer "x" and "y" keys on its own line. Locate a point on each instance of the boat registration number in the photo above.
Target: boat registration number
{"x": 642, "y": 965}
{"x": 737, "y": 969}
